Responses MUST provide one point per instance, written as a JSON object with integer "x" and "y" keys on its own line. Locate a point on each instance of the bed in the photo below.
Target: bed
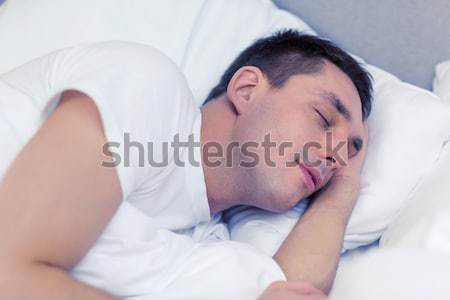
{"x": 378, "y": 32}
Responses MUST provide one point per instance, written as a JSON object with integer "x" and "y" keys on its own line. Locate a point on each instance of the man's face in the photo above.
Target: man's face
{"x": 320, "y": 116}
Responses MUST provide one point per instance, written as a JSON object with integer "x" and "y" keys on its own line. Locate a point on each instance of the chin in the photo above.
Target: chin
{"x": 279, "y": 192}
{"x": 284, "y": 200}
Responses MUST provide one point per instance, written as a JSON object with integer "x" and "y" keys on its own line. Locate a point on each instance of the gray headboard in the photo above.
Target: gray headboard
{"x": 405, "y": 37}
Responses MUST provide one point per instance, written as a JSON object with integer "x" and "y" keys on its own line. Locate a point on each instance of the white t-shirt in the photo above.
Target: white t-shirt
{"x": 151, "y": 245}
{"x": 137, "y": 91}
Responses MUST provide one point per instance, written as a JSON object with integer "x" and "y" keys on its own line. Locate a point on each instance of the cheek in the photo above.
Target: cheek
{"x": 300, "y": 125}
{"x": 254, "y": 126}
{"x": 286, "y": 186}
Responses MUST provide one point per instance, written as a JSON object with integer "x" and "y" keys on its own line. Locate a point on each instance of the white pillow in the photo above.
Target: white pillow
{"x": 29, "y": 29}
{"x": 441, "y": 83}
{"x": 393, "y": 274}
{"x": 425, "y": 222}
{"x": 408, "y": 124}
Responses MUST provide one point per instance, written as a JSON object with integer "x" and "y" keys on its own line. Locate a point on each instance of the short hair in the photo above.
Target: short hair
{"x": 290, "y": 52}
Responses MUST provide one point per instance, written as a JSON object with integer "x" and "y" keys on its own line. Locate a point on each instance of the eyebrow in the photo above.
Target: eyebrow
{"x": 337, "y": 104}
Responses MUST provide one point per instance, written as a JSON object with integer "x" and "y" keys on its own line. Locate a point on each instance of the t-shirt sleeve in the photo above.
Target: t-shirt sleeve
{"x": 141, "y": 95}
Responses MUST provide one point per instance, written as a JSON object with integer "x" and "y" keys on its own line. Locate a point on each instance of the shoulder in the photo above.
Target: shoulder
{"x": 133, "y": 57}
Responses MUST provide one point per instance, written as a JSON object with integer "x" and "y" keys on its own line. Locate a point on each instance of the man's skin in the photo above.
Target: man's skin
{"x": 56, "y": 198}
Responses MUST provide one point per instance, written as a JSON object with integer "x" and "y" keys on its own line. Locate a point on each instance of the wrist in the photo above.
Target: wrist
{"x": 341, "y": 191}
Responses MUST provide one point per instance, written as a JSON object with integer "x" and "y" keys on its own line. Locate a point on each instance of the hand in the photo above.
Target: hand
{"x": 292, "y": 290}
{"x": 345, "y": 183}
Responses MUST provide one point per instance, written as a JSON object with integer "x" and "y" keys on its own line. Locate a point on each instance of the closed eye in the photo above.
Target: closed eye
{"x": 355, "y": 146}
{"x": 326, "y": 123}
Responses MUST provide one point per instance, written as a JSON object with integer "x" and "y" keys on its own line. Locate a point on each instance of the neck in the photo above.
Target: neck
{"x": 218, "y": 117}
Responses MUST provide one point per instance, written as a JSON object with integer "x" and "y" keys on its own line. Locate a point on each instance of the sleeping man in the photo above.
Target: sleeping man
{"x": 112, "y": 177}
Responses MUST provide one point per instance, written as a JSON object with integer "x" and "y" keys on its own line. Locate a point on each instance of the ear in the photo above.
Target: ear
{"x": 244, "y": 87}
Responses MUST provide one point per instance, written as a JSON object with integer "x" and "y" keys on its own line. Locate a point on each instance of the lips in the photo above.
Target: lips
{"x": 312, "y": 177}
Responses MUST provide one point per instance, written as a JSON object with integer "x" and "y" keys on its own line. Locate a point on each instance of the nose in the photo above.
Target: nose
{"x": 336, "y": 151}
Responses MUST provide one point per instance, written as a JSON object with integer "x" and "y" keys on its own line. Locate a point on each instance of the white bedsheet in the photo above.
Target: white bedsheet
{"x": 393, "y": 274}
{"x": 384, "y": 274}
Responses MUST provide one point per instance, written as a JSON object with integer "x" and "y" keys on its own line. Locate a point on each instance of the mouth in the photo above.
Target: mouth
{"x": 312, "y": 178}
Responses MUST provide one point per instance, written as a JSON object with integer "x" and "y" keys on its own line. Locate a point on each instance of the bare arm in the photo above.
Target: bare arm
{"x": 55, "y": 200}
{"x": 311, "y": 251}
